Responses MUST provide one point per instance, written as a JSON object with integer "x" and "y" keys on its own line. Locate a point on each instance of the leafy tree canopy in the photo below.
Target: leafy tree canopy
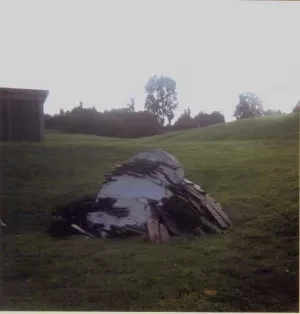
{"x": 161, "y": 99}
{"x": 249, "y": 106}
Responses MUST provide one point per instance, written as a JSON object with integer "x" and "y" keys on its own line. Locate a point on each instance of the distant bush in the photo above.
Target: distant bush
{"x": 114, "y": 123}
{"x": 271, "y": 112}
{"x": 202, "y": 119}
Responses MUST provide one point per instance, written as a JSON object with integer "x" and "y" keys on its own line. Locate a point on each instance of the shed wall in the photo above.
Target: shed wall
{"x": 21, "y": 120}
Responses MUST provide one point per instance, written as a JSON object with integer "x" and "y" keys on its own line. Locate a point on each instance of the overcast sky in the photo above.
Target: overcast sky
{"x": 103, "y": 52}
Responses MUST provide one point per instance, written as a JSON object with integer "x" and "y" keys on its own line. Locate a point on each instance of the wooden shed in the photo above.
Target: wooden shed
{"x": 22, "y": 114}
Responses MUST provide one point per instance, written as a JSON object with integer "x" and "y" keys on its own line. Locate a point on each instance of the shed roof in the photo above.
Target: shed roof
{"x": 23, "y": 94}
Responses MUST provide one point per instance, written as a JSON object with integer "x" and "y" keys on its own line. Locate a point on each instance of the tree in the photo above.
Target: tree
{"x": 216, "y": 117}
{"x": 187, "y": 112}
{"x": 271, "y": 112}
{"x": 185, "y": 121}
{"x": 249, "y": 106}
{"x": 203, "y": 119}
{"x": 297, "y": 107}
{"x": 131, "y": 105}
{"x": 47, "y": 118}
{"x": 161, "y": 98}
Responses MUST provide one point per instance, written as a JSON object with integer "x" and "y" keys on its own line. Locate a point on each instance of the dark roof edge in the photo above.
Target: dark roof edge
{"x": 23, "y": 94}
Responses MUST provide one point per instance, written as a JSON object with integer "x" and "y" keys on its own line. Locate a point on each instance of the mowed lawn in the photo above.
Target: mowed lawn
{"x": 250, "y": 167}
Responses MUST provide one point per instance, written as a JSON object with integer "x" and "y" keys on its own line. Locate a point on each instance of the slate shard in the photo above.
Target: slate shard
{"x": 147, "y": 195}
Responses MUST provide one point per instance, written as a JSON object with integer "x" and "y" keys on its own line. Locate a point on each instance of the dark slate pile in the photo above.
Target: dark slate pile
{"x": 190, "y": 211}
{"x": 138, "y": 168}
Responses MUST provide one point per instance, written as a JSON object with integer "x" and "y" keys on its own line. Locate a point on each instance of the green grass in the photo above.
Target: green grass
{"x": 251, "y": 167}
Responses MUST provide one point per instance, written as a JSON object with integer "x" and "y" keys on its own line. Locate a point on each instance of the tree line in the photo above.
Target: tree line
{"x": 156, "y": 118}
{"x": 123, "y": 122}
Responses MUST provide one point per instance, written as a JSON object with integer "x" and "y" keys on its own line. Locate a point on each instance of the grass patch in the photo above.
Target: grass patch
{"x": 253, "y": 267}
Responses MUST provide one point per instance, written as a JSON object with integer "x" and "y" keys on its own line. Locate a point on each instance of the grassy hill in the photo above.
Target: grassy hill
{"x": 276, "y": 127}
{"x": 250, "y": 166}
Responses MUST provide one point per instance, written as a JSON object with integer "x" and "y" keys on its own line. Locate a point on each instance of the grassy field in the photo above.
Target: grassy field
{"x": 251, "y": 167}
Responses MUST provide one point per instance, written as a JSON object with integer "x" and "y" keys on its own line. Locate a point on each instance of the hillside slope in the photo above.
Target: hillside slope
{"x": 253, "y": 267}
{"x": 285, "y": 127}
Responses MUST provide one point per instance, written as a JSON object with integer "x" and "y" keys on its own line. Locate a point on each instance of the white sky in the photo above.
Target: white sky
{"x": 103, "y": 52}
